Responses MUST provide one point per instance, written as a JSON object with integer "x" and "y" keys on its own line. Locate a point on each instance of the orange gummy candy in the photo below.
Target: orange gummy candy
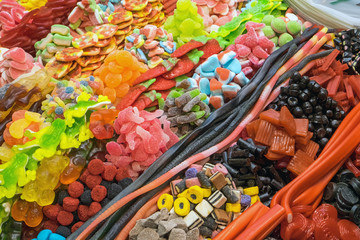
{"x": 110, "y": 93}
{"x": 282, "y": 143}
{"x": 127, "y": 75}
{"x": 287, "y": 121}
{"x": 302, "y": 126}
{"x": 252, "y": 128}
{"x": 111, "y": 57}
{"x": 122, "y": 90}
{"x": 70, "y": 174}
{"x": 20, "y": 114}
{"x": 124, "y": 58}
{"x": 113, "y": 80}
{"x": 19, "y": 209}
{"x": 271, "y": 116}
{"x": 299, "y": 163}
{"x": 115, "y": 68}
{"x": 34, "y": 215}
{"x": 264, "y": 134}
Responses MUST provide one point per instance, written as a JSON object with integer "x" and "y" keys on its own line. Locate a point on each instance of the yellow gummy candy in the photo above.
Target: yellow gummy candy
{"x": 251, "y": 191}
{"x": 255, "y": 199}
{"x": 17, "y": 128}
{"x": 33, "y": 116}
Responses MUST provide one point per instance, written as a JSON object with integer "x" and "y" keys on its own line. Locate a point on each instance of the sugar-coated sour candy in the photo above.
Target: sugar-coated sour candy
{"x": 150, "y": 45}
{"x": 143, "y": 137}
{"x": 15, "y": 63}
{"x": 119, "y": 71}
{"x": 186, "y": 23}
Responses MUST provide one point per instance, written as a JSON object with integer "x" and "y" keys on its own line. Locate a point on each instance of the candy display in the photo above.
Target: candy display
{"x": 179, "y": 119}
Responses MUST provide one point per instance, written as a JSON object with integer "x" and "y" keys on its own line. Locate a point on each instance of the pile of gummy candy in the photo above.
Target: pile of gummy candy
{"x": 176, "y": 119}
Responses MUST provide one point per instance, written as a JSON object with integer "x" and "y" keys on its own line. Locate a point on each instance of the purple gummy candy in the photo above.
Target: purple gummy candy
{"x": 245, "y": 200}
{"x": 191, "y": 173}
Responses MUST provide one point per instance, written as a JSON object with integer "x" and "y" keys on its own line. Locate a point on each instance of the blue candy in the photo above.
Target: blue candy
{"x": 130, "y": 38}
{"x": 59, "y": 110}
{"x": 44, "y": 234}
{"x": 55, "y": 236}
{"x": 165, "y": 47}
{"x": 92, "y": 78}
{"x": 234, "y": 66}
{"x": 205, "y": 86}
{"x": 227, "y": 57}
{"x": 241, "y": 79}
{"x": 111, "y": 6}
{"x": 69, "y": 89}
{"x": 208, "y": 75}
{"x": 210, "y": 64}
{"x": 193, "y": 83}
{"x": 141, "y": 54}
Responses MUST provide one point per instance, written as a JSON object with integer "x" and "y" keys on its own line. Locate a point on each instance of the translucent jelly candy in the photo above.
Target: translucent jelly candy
{"x": 30, "y": 213}
{"x": 143, "y": 138}
{"x": 22, "y": 121}
{"x": 118, "y": 72}
{"x": 186, "y": 23}
{"x": 47, "y": 177}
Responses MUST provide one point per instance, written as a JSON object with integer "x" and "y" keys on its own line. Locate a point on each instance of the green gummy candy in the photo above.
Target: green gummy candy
{"x": 267, "y": 20}
{"x": 76, "y": 24}
{"x": 268, "y": 32}
{"x": 293, "y": 27}
{"x": 194, "y": 93}
{"x": 275, "y": 40}
{"x": 203, "y": 96}
{"x": 200, "y": 114}
{"x": 183, "y": 5}
{"x": 46, "y": 54}
{"x": 46, "y": 40}
{"x": 60, "y": 29}
{"x": 284, "y": 38}
{"x": 62, "y": 40}
{"x": 37, "y": 44}
{"x": 174, "y": 94}
{"x": 278, "y": 25}
{"x": 89, "y": 28}
{"x": 195, "y": 108}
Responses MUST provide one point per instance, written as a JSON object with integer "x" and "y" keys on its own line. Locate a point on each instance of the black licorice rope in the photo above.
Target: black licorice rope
{"x": 173, "y": 151}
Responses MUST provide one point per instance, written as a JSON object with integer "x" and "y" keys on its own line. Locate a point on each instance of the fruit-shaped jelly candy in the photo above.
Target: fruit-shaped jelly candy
{"x": 34, "y": 215}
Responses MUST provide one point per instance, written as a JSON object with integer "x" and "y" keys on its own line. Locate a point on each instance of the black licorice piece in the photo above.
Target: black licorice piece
{"x": 181, "y": 186}
{"x": 240, "y": 153}
{"x": 233, "y": 172}
{"x": 342, "y": 211}
{"x": 246, "y": 145}
{"x": 251, "y": 141}
{"x": 348, "y": 196}
{"x": 203, "y": 179}
{"x": 251, "y": 183}
{"x": 254, "y": 167}
{"x": 345, "y": 176}
{"x": 330, "y": 191}
{"x": 205, "y": 231}
{"x": 276, "y": 175}
{"x": 210, "y": 223}
{"x": 355, "y": 214}
{"x": 355, "y": 184}
{"x": 244, "y": 170}
{"x": 264, "y": 197}
{"x": 265, "y": 180}
{"x": 276, "y": 184}
{"x": 238, "y": 162}
{"x": 246, "y": 177}
{"x": 231, "y": 197}
{"x": 224, "y": 156}
{"x": 340, "y": 202}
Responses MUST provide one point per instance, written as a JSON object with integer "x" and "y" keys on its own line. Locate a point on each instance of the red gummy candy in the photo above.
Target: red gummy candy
{"x": 210, "y": 48}
{"x": 76, "y": 189}
{"x": 75, "y": 227}
{"x": 51, "y": 211}
{"x": 241, "y": 39}
{"x": 265, "y": 43}
{"x": 253, "y": 59}
{"x": 96, "y": 166}
{"x": 98, "y": 193}
{"x": 242, "y": 50}
{"x": 251, "y": 38}
{"x": 187, "y": 47}
{"x": 259, "y": 52}
{"x": 65, "y": 218}
{"x": 94, "y": 208}
{"x": 184, "y": 66}
{"x": 109, "y": 173}
{"x": 70, "y": 204}
{"x": 254, "y": 25}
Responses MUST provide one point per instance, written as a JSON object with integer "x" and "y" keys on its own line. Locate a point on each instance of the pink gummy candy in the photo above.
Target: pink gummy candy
{"x": 264, "y": 42}
{"x": 254, "y": 25}
{"x": 253, "y": 59}
{"x": 14, "y": 73}
{"x": 212, "y": 3}
{"x": 221, "y": 8}
{"x": 139, "y": 153}
{"x": 133, "y": 140}
{"x": 114, "y": 148}
{"x": 151, "y": 145}
{"x": 16, "y": 54}
{"x": 242, "y": 50}
{"x": 247, "y": 70}
{"x": 18, "y": 66}
{"x": 241, "y": 39}
{"x": 259, "y": 52}
{"x": 251, "y": 38}
{"x": 148, "y": 116}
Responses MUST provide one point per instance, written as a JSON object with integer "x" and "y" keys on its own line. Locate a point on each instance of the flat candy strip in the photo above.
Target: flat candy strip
{"x": 86, "y": 40}
{"x": 184, "y": 49}
{"x": 68, "y": 54}
{"x": 105, "y": 31}
{"x": 184, "y": 66}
